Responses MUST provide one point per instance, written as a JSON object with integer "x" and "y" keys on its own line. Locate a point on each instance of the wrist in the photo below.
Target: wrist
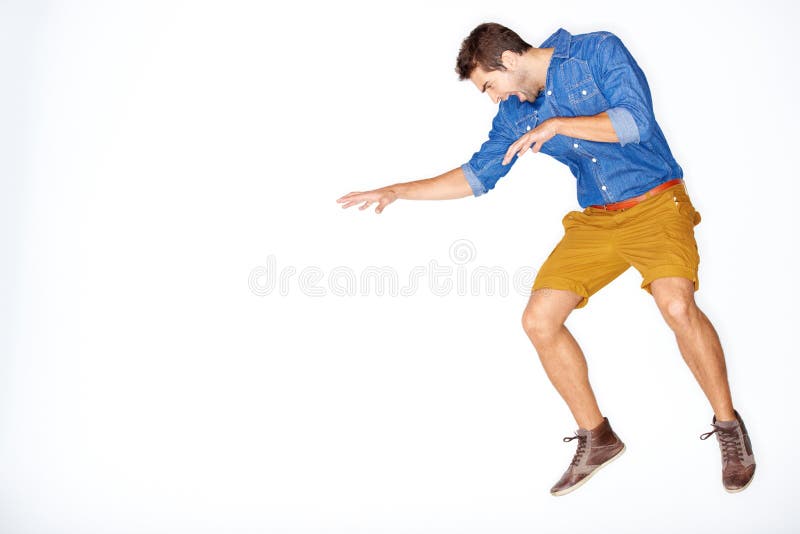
{"x": 556, "y": 124}
{"x": 399, "y": 190}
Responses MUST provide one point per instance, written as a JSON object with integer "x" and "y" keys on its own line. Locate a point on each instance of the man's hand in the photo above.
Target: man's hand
{"x": 536, "y": 137}
{"x": 383, "y": 196}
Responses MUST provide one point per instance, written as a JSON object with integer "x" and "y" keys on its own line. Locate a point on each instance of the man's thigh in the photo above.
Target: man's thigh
{"x": 584, "y": 261}
{"x": 550, "y": 305}
{"x": 659, "y": 240}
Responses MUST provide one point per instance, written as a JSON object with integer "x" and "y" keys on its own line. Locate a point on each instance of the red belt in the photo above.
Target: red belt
{"x": 631, "y": 202}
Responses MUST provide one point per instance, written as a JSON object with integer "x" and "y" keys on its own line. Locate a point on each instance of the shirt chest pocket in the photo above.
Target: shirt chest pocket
{"x": 583, "y": 94}
{"x": 525, "y": 124}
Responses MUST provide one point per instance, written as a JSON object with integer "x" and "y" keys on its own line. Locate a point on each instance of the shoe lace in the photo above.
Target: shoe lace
{"x": 730, "y": 442}
{"x": 581, "y": 448}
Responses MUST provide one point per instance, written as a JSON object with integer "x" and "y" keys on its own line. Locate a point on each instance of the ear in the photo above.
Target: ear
{"x": 509, "y": 59}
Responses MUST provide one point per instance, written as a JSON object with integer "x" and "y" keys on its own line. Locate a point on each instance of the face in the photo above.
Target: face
{"x": 501, "y": 84}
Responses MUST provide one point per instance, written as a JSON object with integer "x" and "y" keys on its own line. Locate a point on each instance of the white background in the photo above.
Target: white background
{"x": 155, "y": 154}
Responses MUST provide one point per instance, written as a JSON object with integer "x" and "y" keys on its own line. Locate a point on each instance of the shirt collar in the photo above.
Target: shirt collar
{"x": 560, "y": 41}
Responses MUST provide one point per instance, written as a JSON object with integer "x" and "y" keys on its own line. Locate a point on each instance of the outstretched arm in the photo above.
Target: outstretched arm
{"x": 450, "y": 185}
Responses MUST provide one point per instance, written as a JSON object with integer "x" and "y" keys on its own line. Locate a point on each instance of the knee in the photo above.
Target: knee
{"x": 679, "y": 312}
{"x": 539, "y": 325}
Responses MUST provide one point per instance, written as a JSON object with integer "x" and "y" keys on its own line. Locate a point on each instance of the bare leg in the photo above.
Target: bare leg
{"x": 697, "y": 340}
{"x": 562, "y": 358}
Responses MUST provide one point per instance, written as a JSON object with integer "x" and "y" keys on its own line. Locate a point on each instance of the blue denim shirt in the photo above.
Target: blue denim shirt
{"x": 588, "y": 74}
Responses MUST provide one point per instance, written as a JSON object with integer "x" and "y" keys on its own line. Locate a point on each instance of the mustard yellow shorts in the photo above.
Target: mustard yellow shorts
{"x": 655, "y": 236}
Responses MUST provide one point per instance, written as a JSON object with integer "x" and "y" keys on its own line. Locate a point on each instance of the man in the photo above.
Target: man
{"x": 584, "y": 100}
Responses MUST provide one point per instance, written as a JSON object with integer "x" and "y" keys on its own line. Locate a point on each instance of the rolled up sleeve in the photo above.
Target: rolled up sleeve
{"x": 624, "y": 125}
{"x": 485, "y": 167}
{"x": 625, "y": 87}
{"x": 472, "y": 179}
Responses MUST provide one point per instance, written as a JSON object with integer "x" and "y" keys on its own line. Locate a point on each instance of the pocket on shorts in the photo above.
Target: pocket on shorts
{"x": 678, "y": 230}
{"x": 569, "y": 219}
{"x": 683, "y": 204}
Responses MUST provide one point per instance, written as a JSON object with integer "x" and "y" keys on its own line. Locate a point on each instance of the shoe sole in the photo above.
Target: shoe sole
{"x": 590, "y": 475}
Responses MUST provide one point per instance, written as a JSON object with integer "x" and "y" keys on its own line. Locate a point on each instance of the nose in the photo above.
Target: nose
{"x": 494, "y": 97}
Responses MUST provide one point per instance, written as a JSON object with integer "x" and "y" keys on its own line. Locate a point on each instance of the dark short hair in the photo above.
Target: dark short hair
{"x": 484, "y": 46}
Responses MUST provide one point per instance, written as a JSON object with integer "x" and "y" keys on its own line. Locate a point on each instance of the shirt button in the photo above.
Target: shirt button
{"x": 594, "y": 160}
{"x": 574, "y": 145}
{"x": 528, "y": 128}
{"x": 583, "y": 92}
{"x": 549, "y": 93}
{"x": 603, "y": 188}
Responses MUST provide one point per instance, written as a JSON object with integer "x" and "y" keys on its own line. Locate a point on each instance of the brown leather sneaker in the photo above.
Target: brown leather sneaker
{"x": 738, "y": 461}
{"x": 596, "y": 448}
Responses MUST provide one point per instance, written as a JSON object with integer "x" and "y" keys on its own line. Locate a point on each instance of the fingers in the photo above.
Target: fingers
{"x": 366, "y": 199}
{"x": 510, "y": 153}
{"x": 516, "y": 150}
{"x": 524, "y": 149}
{"x": 348, "y": 196}
{"x": 351, "y": 199}
{"x": 532, "y": 140}
{"x": 519, "y": 147}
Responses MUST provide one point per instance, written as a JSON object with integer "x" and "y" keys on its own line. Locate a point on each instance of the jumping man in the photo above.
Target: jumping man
{"x": 583, "y": 100}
